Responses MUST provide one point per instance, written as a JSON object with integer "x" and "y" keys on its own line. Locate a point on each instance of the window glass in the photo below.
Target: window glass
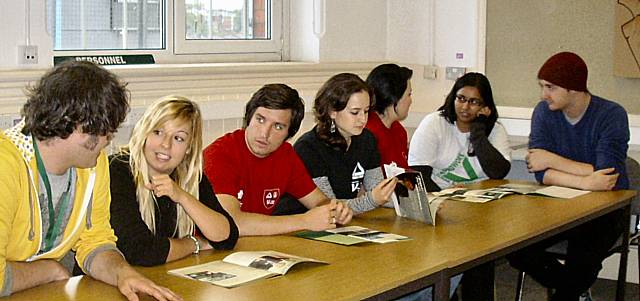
{"x": 99, "y": 24}
{"x": 240, "y": 27}
{"x": 227, "y": 20}
{"x": 171, "y": 30}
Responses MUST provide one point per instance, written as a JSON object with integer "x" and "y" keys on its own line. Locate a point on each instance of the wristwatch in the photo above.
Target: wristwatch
{"x": 196, "y": 242}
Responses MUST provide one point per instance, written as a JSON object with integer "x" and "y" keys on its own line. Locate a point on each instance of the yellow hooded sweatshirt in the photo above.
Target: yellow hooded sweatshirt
{"x": 88, "y": 231}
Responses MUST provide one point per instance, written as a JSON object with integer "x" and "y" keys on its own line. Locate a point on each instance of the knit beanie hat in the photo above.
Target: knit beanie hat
{"x": 565, "y": 69}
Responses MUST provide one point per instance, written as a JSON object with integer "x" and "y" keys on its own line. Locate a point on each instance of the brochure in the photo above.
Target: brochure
{"x": 474, "y": 196}
{"x": 410, "y": 197}
{"x": 352, "y": 235}
{"x": 242, "y": 267}
{"x": 485, "y": 195}
{"x": 552, "y": 191}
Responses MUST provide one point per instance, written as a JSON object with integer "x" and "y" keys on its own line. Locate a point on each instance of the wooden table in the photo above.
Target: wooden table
{"x": 491, "y": 230}
{"x": 466, "y": 235}
{"x": 353, "y": 273}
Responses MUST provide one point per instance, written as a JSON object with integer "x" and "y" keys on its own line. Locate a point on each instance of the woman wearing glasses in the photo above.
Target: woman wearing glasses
{"x": 462, "y": 142}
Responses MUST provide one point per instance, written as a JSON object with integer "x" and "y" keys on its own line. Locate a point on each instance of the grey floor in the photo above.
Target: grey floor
{"x": 602, "y": 290}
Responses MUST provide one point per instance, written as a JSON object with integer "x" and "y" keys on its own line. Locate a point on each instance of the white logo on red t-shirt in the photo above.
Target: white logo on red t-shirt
{"x": 270, "y": 197}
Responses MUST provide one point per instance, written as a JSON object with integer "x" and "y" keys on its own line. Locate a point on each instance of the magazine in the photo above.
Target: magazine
{"x": 410, "y": 197}
{"x": 242, "y": 267}
{"x": 352, "y": 235}
{"x": 485, "y": 195}
{"x": 552, "y": 191}
{"x": 470, "y": 195}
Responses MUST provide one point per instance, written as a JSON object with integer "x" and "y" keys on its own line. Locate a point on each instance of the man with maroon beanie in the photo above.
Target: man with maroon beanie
{"x": 577, "y": 140}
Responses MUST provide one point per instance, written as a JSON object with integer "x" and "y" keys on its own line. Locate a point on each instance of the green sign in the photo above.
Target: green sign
{"x": 108, "y": 60}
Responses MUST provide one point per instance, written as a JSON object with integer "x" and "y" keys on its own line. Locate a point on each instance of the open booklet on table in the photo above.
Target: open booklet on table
{"x": 410, "y": 198}
{"x": 242, "y": 267}
{"x": 485, "y": 195}
{"x": 352, "y": 235}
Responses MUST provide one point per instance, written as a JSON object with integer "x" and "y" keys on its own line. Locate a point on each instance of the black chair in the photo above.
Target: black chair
{"x": 622, "y": 246}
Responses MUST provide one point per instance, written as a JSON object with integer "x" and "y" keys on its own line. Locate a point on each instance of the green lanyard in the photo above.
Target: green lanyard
{"x": 54, "y": 223}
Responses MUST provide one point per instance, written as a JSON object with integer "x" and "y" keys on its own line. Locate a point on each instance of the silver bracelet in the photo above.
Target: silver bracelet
{"x": 196, "y": 242}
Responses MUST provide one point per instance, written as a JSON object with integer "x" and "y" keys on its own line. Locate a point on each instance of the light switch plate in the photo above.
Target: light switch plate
{"x": 453, "y": 73}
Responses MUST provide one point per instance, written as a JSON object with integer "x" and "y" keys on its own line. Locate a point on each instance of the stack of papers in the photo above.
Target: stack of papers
{"x": 352, "y": 235}
{"x": 485, "y": 195}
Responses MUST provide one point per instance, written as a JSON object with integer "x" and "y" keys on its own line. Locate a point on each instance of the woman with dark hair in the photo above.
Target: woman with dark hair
{"x": 340, "y": 155}
{"x": 391, "y": 86}
{"x": 462, "y": 142}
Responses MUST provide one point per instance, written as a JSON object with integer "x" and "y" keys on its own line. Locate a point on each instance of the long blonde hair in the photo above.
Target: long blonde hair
{"x": 187, "y": 174}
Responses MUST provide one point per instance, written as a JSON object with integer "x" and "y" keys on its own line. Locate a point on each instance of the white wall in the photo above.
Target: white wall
{"x": 404, "y": 32}
{"x": 13, "y": 33}
{"x": 410, "y": 30}
{"x": 426, "y": 34}
{"x": 304, "y": 44}
{"x": 355, "y": 31}
{"x": 456, "y": 32}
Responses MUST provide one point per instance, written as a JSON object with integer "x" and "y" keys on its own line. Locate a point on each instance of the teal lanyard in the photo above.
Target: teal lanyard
{"x": 54, "y": 223}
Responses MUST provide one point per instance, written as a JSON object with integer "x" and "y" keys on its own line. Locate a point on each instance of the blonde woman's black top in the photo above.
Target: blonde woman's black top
{"x": 138, "y": 244}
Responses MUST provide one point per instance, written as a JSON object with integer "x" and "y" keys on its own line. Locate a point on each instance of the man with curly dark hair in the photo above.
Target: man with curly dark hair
{"x": 54, "y": 184}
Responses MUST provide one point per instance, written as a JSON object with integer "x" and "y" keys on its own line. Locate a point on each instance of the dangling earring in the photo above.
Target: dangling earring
{"x": 333, "y": 126}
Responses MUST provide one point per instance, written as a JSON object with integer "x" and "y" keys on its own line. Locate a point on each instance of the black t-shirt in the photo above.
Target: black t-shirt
{"x": 138, "y": 244}
{"x": 344, "y": 170}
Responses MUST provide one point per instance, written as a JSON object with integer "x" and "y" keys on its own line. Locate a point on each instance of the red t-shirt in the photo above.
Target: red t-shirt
{"x": 392, "y": 142}
{"x": 257, "y": 182}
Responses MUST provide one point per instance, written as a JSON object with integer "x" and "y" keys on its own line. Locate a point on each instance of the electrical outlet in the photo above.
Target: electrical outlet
{"x": 430, "y": 72}
{"x": 453, "y": 73}
{"x": 28, "y": 54}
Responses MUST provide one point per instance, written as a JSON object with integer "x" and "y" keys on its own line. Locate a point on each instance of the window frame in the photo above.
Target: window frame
{"x": 184, "y": 46}
{"x": 225, "y": 51}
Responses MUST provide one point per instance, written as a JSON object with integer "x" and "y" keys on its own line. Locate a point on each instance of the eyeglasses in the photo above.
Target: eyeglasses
{"x": 461, "y": 99}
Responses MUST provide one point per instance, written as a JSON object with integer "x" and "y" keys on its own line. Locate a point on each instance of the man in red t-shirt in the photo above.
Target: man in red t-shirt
{"x": 252, "y": 167}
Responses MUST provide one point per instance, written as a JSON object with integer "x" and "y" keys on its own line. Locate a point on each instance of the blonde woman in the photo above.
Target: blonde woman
{"x": 159, "y": 194}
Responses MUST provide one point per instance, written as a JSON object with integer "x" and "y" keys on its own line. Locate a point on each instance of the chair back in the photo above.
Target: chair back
{"x": 519, "y": 171}
{"x": 633, "y": 172}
